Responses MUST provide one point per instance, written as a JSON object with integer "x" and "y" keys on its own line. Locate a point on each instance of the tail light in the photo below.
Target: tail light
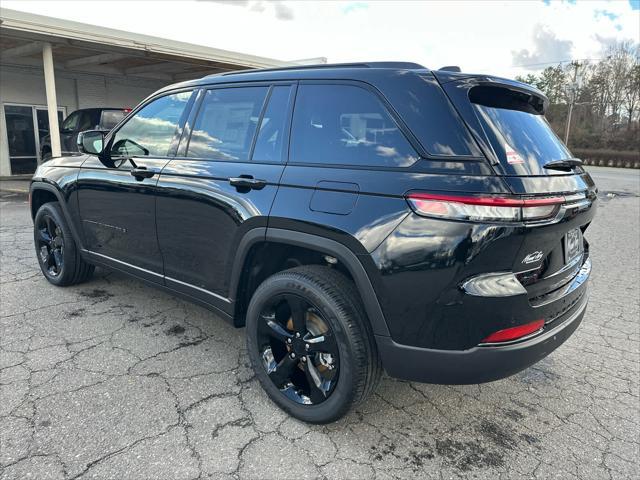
{"x": 514, "y": 333}
{"x": 484, "y": 208}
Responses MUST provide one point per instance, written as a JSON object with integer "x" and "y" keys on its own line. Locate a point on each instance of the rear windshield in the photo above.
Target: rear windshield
{"x": 519, "y": 133}
{"x": 110, "y": 118}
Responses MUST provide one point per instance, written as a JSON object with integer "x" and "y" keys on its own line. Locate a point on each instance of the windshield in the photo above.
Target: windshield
{"x": 521, "y": 137}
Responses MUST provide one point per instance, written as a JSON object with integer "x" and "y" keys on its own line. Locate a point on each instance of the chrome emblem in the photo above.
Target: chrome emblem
{"x": 533, "y": 257}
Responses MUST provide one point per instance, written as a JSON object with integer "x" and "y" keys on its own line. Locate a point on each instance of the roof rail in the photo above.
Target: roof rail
{"x": 319, "y": 66}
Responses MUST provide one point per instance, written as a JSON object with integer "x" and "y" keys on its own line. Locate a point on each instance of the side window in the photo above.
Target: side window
{"x": 150, "y": 131}
{"x": 110, "y": 118}
{"x": 226, "y": 123}
{"x": 270, "y": 142}
{"x": 346, "y": 125}
{"x": 85, "y": 121}
{"x": 70, "y": 123}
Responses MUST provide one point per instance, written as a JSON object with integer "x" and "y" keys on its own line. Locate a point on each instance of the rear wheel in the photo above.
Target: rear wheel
{"x": 57, "y": 252}
{"x": 310, "y": 345}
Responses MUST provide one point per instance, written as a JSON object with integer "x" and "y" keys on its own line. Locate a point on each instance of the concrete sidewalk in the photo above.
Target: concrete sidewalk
{"x": 15, "y": 186}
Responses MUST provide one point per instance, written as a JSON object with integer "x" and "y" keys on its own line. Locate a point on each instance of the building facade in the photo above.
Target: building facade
{"x": 51, "y": 67}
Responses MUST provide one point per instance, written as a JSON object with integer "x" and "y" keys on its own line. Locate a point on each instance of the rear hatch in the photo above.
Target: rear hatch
{"x": 507, "y": 120}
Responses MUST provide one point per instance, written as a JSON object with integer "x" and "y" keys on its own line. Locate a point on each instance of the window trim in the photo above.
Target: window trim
{"x": 404, "y": 130}
{"x": 286, "y": 133}
{"x": 177, "y": 134}
{"x": 185, "y": 139}
{"x": 256, "y": 134}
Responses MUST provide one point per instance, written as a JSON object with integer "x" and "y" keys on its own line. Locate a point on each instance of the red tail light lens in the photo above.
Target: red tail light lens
{"x": 514, "y": 333}
{"x": 487, "y": 208}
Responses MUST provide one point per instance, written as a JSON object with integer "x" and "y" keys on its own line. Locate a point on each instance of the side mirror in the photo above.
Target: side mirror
{"x": 91, "y": 142}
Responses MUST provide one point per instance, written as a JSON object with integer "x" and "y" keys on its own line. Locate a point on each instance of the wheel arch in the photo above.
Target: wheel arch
{"x": 41, "y": 193}
{"x": 254, "y": 240}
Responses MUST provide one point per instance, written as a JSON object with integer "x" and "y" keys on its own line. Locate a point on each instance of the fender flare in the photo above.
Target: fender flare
{"x": 52, "y": 188}
{"x": 330, "y": 247}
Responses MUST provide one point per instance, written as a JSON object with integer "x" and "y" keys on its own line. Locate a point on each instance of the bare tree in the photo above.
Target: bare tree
{"x": 603, "y": 95}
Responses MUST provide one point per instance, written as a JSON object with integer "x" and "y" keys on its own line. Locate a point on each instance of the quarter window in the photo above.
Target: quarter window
{"x": 226, "y": 123}
{"x": 150, "y": 131}
{"x": 347, "y": 125}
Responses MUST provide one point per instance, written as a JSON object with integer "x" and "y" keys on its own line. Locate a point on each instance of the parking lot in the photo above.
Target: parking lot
{"x": 115, "y": 379}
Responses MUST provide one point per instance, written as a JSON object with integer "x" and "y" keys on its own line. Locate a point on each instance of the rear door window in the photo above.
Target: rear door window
{"x": 521, "y": 137}
{"x": 271, "y": 136}
{"x": 346, "y": 125}
{"x": 226, "y": 123}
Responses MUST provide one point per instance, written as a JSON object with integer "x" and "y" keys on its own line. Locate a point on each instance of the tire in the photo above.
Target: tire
{"x": 333, "y": 299}
{"x": 58, "y": 255}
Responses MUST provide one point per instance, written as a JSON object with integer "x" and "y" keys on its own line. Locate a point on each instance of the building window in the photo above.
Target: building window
{"x": 27, "y": 127}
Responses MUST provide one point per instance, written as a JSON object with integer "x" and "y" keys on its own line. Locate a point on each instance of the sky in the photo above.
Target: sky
{"x": 505, "y": 38}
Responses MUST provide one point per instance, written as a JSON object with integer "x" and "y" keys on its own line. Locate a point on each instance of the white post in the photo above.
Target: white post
{"x": 52, "y": 103}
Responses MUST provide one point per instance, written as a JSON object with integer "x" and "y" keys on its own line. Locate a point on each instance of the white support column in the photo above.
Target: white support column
{"x": 52, "y": 103}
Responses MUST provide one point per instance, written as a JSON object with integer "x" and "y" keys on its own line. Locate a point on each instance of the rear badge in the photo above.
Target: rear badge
{"x": 533, "y": 257}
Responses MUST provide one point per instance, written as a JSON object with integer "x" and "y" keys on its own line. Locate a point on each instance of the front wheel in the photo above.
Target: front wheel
{"x": 57, "y": 252}
{"x": 310, "y": 344}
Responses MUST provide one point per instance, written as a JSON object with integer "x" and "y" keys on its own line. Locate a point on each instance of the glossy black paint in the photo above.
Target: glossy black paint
{"x": 213, "y": 217}
{"x": 424, "y": 262}
{"x": 191, "y": 228}
{"x": 118, "y": 212}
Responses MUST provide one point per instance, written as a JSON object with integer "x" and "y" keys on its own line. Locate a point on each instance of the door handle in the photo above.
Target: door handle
{"x": 142, "y": 172}
{"x": 247, "y": 181}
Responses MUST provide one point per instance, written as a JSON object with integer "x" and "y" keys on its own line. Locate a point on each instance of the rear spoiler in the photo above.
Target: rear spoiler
{"x": 538, "y": 99}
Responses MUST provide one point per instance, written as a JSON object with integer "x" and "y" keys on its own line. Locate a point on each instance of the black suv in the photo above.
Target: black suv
{"x": 103, "y": 119}
{"x": 353, "y": 217}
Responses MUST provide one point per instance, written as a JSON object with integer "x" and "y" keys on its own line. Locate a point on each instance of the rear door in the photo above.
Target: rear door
{"x": 221, "y": 184}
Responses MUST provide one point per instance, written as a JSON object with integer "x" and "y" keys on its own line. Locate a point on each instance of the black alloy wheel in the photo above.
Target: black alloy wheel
{"x": 50, "y": 245}
{"x": 58, "y": 255}
{"x": 310, "y": 343}
{"x": 298, "y": 349}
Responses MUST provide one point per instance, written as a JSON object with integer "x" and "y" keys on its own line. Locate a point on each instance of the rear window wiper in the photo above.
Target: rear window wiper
{"x": 567, "y": 164}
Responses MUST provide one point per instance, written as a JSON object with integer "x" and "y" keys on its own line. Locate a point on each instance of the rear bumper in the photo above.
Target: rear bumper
{"x": 479, "y": 364}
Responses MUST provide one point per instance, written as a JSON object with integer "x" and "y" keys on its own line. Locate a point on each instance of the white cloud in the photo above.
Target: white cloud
{"x": 281, "y": 10}
{"x": 548, "y": 48}
{"x": 478, "y": 36}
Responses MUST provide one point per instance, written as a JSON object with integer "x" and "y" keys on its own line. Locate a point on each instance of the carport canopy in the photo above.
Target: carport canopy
{"x": 62, "y": 45}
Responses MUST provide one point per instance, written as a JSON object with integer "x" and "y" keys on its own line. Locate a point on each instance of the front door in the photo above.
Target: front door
{"x": 221, "y": 185}
{"x": 117, "y": 196}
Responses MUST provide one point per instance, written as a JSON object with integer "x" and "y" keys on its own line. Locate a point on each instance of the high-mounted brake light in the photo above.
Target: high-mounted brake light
{"x": 492, "y": 208}
{"x": 514, "y": 333}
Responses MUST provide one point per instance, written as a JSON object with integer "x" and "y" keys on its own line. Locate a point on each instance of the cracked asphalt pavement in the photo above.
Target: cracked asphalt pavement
{"x": 115, "y": 379}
